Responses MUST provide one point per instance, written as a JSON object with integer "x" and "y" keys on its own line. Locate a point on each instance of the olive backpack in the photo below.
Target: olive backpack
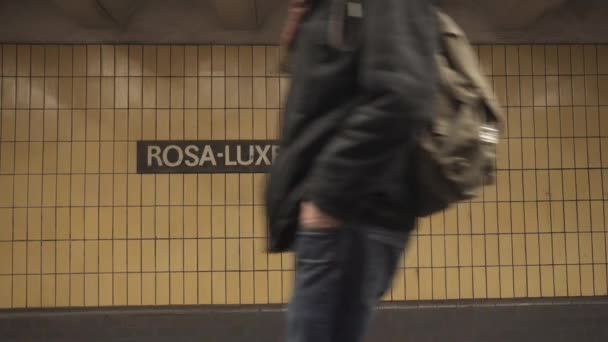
{"x": 456, "y": 153}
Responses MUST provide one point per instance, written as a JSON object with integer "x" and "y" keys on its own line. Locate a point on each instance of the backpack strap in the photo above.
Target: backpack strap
{"x": 462, "y": 58}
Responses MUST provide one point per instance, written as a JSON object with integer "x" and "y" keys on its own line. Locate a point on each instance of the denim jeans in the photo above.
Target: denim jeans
{"x": 340, "y": 276}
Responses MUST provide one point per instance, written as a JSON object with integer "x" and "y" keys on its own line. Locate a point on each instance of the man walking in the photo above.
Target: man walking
{"x": 339, "y": 194}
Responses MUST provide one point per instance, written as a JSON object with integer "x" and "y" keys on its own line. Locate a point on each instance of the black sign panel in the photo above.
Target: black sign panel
{"x": 208, "y": 156}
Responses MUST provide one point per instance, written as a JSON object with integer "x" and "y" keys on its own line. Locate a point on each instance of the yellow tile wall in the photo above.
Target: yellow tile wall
{"x": 79, "y": 226}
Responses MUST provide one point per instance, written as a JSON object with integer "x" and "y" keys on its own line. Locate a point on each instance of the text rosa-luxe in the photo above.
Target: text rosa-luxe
{"x": 205, "y": 155}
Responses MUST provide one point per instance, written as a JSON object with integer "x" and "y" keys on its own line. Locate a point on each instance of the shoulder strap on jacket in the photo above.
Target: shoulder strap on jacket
{"x": 342, "y": 13}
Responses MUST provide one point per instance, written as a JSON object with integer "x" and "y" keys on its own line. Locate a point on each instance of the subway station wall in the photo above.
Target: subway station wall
{"x": 80, "y": 227}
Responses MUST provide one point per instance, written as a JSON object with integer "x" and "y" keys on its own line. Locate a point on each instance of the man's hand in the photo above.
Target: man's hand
{"x": 295, "y": 12}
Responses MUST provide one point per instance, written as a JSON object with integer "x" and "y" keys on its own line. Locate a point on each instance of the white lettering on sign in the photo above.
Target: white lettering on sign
{"x": 207, "y": 156}
{"x": 154, "y": 152}
{"x": 263, "y": 155}
{"x": 227, "y": 161}
{"x": 193, "y": 158}
{"x": 275, "y": 151}
{"x": 239, "y": 156}
{"x": 180, "y": 156}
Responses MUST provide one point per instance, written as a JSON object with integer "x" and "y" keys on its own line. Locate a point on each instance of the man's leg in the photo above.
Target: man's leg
{"x": 341, "y": 273}
{"x": 373, "y": 264}
{"x": 314, "y": 306}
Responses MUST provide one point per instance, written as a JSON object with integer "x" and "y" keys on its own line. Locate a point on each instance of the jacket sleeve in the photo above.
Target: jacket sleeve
{"x": 396, "y": 84}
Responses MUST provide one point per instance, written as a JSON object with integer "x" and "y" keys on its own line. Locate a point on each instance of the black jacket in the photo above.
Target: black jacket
{"x": 350, "y": 118}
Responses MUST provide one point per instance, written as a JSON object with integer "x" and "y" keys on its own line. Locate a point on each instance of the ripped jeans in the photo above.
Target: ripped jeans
{"x": 341, "y": 274}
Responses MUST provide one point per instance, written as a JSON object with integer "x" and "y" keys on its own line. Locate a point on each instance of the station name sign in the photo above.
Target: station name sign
{"x": 206, "y": 156}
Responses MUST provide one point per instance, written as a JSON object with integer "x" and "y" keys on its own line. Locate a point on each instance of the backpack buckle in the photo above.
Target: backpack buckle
{"x": 354, "y": 9}
{"x": 344, "y": 24}
{"x": 488, "y": 134}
